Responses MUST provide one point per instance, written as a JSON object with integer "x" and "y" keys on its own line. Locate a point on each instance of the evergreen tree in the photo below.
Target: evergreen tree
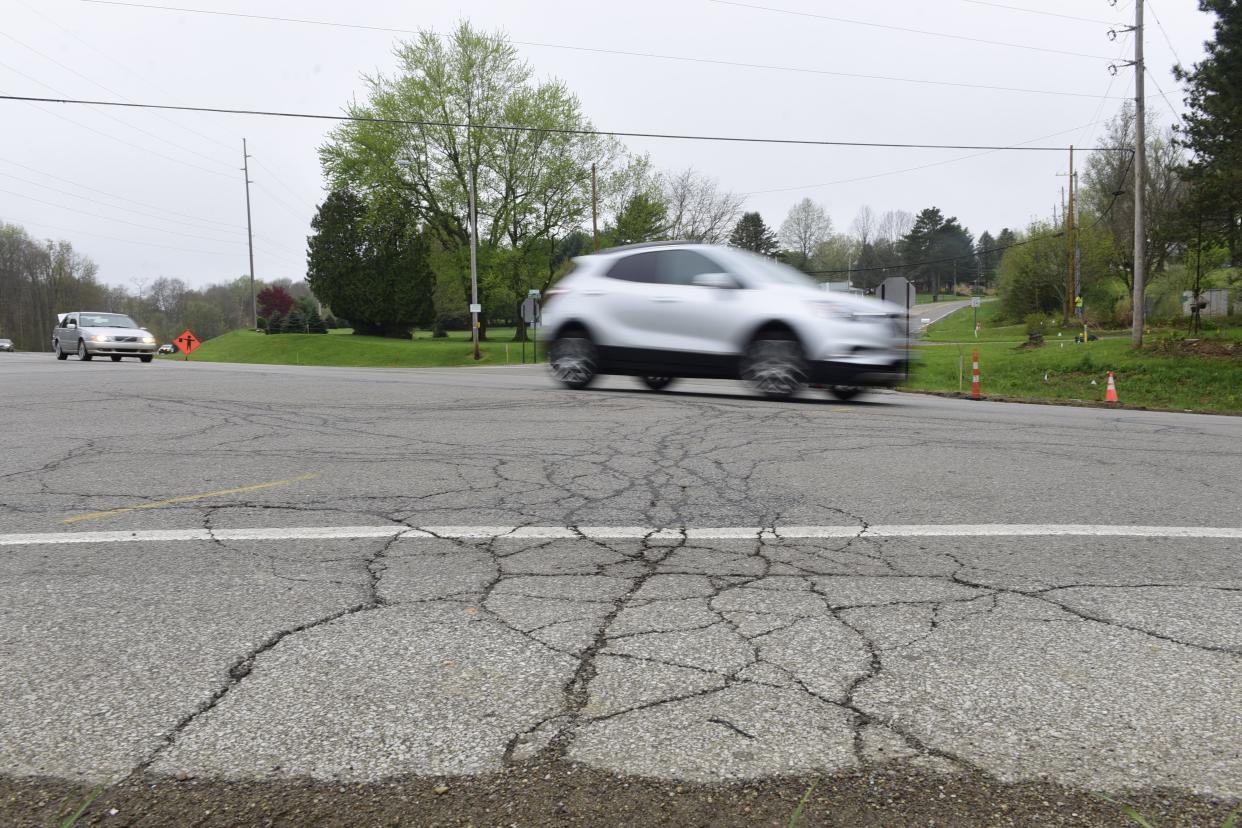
{"x": 750, "y": 233}
{"x": 295, "y": 322}
{"x": 275, "y": 324}
{"x": 988, "y": 258}
{"x": 644, "y": 218}
{"x": 370, "y": 262}
{"x": 315, "y": 323}
{"x": 1211, "y": 126}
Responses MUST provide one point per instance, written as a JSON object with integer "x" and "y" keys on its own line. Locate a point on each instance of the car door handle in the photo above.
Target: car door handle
{"x": 665, "y": 299}
{"x": 595, "y": 292}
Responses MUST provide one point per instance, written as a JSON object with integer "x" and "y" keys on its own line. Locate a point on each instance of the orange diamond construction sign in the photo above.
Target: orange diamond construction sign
{"x": 187, "y": 342}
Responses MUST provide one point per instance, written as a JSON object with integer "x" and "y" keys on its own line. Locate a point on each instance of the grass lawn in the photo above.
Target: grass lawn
{"x": 1149, "y": 377}
{"x": 341, "y": 348}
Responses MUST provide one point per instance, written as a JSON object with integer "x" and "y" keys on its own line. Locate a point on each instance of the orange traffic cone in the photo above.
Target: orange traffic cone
{"x": 1111, "y": 394}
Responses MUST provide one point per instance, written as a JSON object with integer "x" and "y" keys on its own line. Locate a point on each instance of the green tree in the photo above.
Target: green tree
{"x": 803, "y": 230}
{"x": 315, "y": 323}
{"x": 644, "y": 218}
{"x": 295, "y": 322}
{"x": 938, "y": 251}
{"x": 1212, "y": 124}
{"x": 751, "y": 233}
{"x": 275, "y": 324}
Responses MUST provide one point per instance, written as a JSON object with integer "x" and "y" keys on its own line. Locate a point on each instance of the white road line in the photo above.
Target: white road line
{"x": 295, "y": 533}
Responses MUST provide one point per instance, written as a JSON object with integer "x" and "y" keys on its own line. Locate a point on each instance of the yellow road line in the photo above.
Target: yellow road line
{"x": 188, "y": 498}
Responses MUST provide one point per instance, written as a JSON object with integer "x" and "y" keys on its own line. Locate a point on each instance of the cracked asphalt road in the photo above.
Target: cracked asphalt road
{"x": 1095, "y": 663}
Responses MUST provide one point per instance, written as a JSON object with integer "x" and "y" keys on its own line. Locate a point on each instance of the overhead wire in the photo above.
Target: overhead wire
{"x": 1151, "y": 8}
{"x": 600, "y": 50}
{"x": 1039, "y": 11}
{"x": 890, "y": 27}
{"x": 541, "y": 130}
{"x": 119, "y": 197}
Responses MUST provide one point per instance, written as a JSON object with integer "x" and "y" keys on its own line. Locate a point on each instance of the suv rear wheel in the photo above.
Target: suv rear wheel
{"x": 573, "y": 358}
{"x": 844, "y": 393}
{"x": 774, "y": 364}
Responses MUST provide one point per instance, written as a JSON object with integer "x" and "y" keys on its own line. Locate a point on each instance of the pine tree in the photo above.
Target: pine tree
{"x": 644, "y": 218}
{"x": 275, "y": 324}
{"x": 295, "y": 322}
{"x": 750, "y": 233}
{"x": 315, "y": 323}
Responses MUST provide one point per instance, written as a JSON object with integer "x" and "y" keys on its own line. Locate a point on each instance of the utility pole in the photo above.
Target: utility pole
{"x": 594, "y": 210}
{"x": 1140, "y": 179}
{"x": 1071, "y": 293}
{"x": 254, "y": 307}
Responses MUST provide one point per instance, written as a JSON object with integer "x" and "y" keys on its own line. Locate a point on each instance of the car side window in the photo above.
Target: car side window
{"x": 679, "y": 267}
{"x": 639, "y": 267}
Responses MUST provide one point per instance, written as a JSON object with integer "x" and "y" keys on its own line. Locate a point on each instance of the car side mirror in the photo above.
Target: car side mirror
{"x": 71, "y": 324}
{"x": 714, "y": 280}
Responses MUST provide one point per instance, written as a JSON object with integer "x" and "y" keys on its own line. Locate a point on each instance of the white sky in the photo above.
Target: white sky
{"x": 183, "y": 169}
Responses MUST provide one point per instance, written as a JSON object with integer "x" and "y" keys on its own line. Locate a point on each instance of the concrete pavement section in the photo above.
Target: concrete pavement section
{"x": 249, "y": 647}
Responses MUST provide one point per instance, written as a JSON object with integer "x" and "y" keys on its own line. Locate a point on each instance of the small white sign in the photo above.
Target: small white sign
{"x": 532, "y": 293}
{"x": 476, "y": 308}
{"x": 975, "y": 301}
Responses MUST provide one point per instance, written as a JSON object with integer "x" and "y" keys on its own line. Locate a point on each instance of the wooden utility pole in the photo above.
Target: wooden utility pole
{"x": 594, "y": 210}
{"x": 1070, "y": 296}
{"x": 1140, "y": 180}
{"x": 254, "y": 307}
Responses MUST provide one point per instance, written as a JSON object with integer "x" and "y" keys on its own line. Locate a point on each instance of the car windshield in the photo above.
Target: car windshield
{"x": 772, "y": 272}
{"x": 106, "y": 320}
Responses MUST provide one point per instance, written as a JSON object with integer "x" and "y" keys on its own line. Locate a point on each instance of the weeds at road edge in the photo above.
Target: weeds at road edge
{"x": 72, "y": 819}
{"x": 797, "y": 814}
{"x": 1231, "y": 821}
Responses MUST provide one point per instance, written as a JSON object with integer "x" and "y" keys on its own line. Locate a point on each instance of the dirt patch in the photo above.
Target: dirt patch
{"x": 556, "y": 793}
{"x": 1198, "y": 347}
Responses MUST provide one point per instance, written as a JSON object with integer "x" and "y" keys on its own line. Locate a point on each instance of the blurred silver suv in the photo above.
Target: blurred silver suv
{"x": 89, "y": 334}
{"x": 663, "y": 311}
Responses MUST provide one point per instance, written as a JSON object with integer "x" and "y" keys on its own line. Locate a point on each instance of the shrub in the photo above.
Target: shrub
{"x": 296, "y": 321}
{"x": 275, "y": 324}
{"x": 315, "y": 323}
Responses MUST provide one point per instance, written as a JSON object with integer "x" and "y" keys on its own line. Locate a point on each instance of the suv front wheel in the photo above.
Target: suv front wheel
{"x": 774, "y": 364}
{"x": 573, "y": 359}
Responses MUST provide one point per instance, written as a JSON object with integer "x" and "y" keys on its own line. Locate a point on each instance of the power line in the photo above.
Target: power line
{"x": 119, "y": 221}
{"x": 1167, "y": 39}
{"x": 541, "y": 130}
{"x": 1160, "y": 89}
{"x": 96, "y": 130}
{"x": 76, "y": 230}
{"x": 620, "y": 52}
{"x": 1057, "y": 235}
{"x": 113, "y": 92}
{"x": 1039, "y": 11}
{"x": 106, "y": 204}
{"x": 909, "y": 169}
{"x": 117, "y": 197}
{"x": 891, "y": 27}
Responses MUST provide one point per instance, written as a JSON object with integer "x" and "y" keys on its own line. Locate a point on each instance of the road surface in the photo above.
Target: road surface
{"x": 292, "y": 577}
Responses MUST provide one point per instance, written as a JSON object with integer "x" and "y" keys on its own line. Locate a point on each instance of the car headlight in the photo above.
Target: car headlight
{"x": 830, "y": 310}
{"x": 149, "y": 340}
{"x": 101, "y": 338}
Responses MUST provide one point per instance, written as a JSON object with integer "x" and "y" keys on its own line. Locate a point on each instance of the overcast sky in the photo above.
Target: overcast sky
{"x": 65, "y": 171}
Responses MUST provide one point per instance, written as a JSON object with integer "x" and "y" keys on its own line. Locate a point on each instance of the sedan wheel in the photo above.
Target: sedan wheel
{"x": 657, "y": 383}
{"x": 775, "y": 367}
{"x": 574, "y": 361}
{"x": 116, "y": 358}
{"x": 82, "y": 354}
{"x": 59, "y": 353}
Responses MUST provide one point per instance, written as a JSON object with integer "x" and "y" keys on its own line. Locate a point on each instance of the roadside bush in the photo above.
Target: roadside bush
{"x": 261, "y": 322}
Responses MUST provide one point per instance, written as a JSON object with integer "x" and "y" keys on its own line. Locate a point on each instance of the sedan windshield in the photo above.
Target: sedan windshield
{"x": 106, "y": 320}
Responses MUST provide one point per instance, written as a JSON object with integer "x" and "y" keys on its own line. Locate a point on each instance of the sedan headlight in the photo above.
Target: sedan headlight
{"x": 149, "y": 340}
{"x": 101, "y": 338}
